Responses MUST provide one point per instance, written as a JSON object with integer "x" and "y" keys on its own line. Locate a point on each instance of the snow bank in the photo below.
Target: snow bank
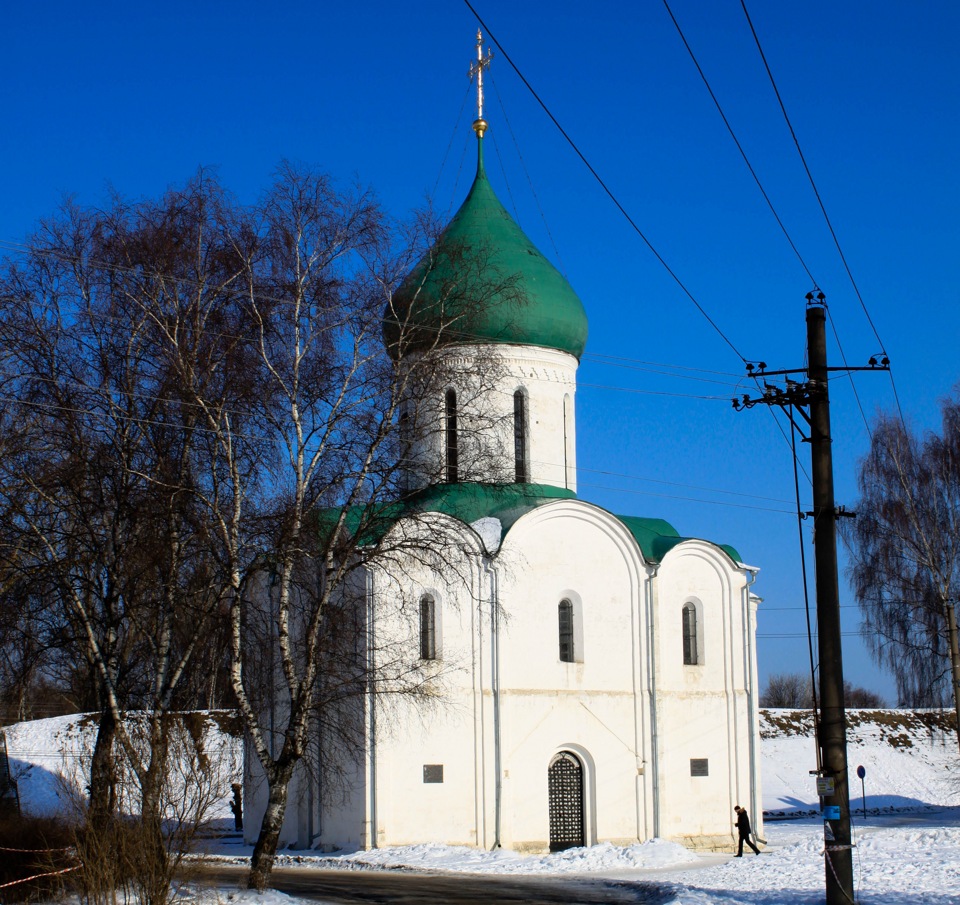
{"x": 910, "y": 758}
{"x": 50, "y": 762}
{"x": 602, "y": 858}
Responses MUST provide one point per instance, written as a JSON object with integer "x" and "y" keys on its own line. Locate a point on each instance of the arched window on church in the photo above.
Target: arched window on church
{"x": 450, "y": 437}
{"x": 521, "y": 472}
{"x": 428, "y": 628}
{"x": 567, "y": 650}
{"x": 691, "y": 652}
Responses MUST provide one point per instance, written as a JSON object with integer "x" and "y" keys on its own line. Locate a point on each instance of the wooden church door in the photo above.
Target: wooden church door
{"x": 565, "y": 792}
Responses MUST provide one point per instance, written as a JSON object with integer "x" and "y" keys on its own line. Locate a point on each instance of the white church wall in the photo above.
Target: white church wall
{"x": 538, "y": 727}
{"x": 569, "y": 550}
{"x": 427, "y": 757}
{"x": 260, "y": 624}
{"x": 300, "y": 820}
{"x": 323, "y": 789}
{"x": 592, "y": 707}
{"x": 546, "y": 377}
{"x": 485, "y": 380}
{"x": 341, "y": 798}
{"x": 427, "y": 776}
{"x": 598, "y": 707}
{"x": 704, "y": 762}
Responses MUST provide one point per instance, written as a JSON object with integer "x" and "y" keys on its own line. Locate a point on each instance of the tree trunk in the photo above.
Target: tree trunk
{"x": 265, "y": 851}
{"x": 954, "y": 662}
{"x": 103, "y": 773}
{"x": 155, "y": 872}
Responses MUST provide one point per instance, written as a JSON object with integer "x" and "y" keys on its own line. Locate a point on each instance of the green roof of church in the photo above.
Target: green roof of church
{"x": 656, "y": 537}
{"x": 484, "y": 281}
{"x": 470, "y": 502}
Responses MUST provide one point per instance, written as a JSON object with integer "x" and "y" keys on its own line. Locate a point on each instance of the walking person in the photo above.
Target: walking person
{"x": 236, "y": 805}
{"x": 743, "y": 828}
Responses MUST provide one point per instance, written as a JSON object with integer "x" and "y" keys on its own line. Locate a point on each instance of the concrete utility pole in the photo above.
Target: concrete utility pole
{"x": 812, "y": 401}
{"x": 833, "y": 723}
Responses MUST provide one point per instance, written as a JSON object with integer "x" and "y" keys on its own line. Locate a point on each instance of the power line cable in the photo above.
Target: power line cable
{"x": 823, "y": 209}
{"x": 813, "y": 184}
{"x": 783, "y": 434}
{"x": 453, "y": 135}
{"x": 806, "y": 592}
{"x": 616, "y": 359}
{"x": 186, "y": 403}
{"x": 736, "y": 141}
{"x": 632, "y": 477}
{"x": 65, "y": 409}
{"x": 602, "y": 386}
{"x": 849, "y": 374}
{"x": 763, "y": 191}
{"x": 604, "y": 186}
{"x": 835, "y": 240}
{"x": 617, "y": 203}
{"x": 371, "y": 328}
{"x": 179, "y": 280}
{"x": 860, "y": 633}
{"x": 526, "y": 172}
{"x": 506, "y": 180}
{"x": 671, "y": 496}
{"x": 826, "y": 217}
{"x": 663, "y": 373}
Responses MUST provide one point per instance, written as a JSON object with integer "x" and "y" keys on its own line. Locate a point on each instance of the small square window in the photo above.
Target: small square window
{"x": 699, "y": 766}
{"x": 433, "y": 772}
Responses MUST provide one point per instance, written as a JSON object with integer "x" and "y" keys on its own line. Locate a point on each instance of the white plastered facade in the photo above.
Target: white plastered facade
{"x": 485, "y": 382}
{"x": 665, "y": 748}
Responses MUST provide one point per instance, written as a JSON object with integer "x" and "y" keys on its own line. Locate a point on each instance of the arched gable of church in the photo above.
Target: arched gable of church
{"x": 706, "y": 679}
{"x": 701, "y": 618}
{"x": 572, "y": 590}
{"x": 426, "y": 592}
{"x": 572, "y": 585}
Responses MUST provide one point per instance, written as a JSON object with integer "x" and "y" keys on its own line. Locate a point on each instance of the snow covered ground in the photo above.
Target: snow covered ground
{"x": 50, "y": 762}
{"x": 907, "y": 843}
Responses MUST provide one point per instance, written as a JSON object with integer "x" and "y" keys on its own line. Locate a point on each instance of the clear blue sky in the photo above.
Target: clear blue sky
{"x": 137, "y": 96}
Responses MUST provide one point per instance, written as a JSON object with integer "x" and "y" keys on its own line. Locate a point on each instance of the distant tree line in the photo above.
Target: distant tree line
{"x": 795, "y": 691}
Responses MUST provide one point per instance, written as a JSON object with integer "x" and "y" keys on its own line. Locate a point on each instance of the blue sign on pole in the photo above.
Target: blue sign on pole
{"x": 861, "y": 772}
{"x": 831, "y": 812}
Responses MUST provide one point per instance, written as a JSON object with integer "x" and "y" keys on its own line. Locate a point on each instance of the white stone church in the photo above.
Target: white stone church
{"x": 595, "y": 674}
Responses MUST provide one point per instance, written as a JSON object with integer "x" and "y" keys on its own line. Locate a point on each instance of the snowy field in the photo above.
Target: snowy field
{"x": 907, "y": 843}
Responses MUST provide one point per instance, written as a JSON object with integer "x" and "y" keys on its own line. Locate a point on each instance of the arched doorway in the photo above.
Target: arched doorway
{"x": 565, "y": 793}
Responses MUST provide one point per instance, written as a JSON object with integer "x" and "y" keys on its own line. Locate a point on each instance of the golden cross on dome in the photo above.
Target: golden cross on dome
{"x": 476, "y": 69}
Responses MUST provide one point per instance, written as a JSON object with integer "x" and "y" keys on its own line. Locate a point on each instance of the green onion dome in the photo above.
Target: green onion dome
{"x": 484, "y": 281}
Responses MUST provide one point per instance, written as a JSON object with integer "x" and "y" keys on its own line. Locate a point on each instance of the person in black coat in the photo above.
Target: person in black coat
{"x": 236, "y": 805}
{"x": 743, "y": 828}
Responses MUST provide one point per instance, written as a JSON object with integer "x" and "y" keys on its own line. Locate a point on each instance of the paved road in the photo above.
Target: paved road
{"x": 409, "y": 888}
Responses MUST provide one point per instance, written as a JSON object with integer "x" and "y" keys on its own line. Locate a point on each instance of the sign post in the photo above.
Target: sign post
{"x": 861, "y": 772}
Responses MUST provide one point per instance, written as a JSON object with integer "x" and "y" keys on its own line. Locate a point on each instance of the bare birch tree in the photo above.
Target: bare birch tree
{"x": 99, "y": 499}
{"x": 202, "y": 403}
{"x": 313, "y": 472}
{"x": 906, "y": 554}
